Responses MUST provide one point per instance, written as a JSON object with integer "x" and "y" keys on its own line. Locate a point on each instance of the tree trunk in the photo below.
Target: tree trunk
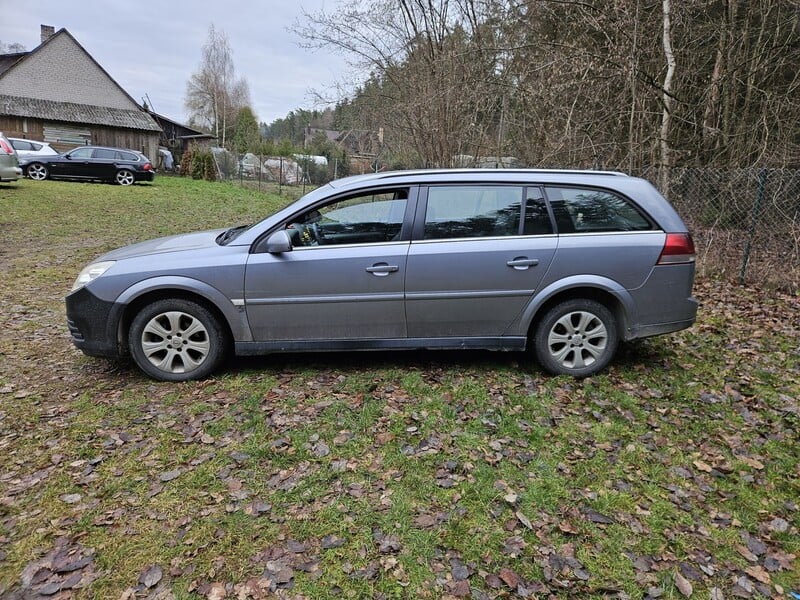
{"x": 666, "y": 115}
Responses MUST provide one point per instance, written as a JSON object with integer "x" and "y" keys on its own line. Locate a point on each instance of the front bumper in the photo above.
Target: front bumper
{"x": 93, "y": 324}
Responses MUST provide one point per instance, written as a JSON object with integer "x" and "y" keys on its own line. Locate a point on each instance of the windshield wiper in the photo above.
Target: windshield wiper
{"x": 230, "y": 234}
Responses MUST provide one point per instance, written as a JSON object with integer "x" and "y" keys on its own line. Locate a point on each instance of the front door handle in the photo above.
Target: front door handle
{"x": 382, "y": 269}
{"x": 522, "y": 262}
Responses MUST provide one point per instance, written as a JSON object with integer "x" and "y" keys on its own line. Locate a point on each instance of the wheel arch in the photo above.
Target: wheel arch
{"x": 231, "y": 317}
{"x": 605, "y": 291}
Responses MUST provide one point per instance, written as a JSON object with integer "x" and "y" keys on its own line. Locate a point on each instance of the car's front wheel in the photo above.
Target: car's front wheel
{"x": 124, "y": 177}
{"x": 577, "y": 337}
{"x": 37, "y": 171}
{"x": 177, "y": 340}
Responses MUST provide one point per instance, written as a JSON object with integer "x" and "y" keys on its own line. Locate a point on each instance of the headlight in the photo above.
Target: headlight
{"x": 91, "y": 273}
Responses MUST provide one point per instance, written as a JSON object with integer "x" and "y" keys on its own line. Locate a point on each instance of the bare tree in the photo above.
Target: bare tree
{"x": 582, "y": 83}
{"x": 435, "y": 71}
{"x": 11, "y": 47}
{"x": 214, "y": 95}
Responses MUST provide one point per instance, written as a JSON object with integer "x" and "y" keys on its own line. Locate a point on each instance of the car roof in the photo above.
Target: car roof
{"x": 467, "y": 175}
{"x": 29, "y": 140}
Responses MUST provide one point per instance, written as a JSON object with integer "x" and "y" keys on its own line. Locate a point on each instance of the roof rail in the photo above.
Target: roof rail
{"x": 389, "y": 174}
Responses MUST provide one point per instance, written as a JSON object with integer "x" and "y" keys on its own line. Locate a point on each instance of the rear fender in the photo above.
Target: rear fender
{"x": 571, "y": 287}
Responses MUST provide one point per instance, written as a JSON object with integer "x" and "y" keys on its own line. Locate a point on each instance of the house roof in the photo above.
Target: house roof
{"x": 188, "y": 132}
{"x": 8, "y": 60}
{"x": 70, "y": 112}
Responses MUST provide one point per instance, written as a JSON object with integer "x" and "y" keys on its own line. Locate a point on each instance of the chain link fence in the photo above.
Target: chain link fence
{"x": 745, "y": 222}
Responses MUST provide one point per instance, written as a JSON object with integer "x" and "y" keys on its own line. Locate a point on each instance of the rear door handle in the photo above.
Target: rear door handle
{"x": 521, "y": 263}
{"x": 382, "y": 269}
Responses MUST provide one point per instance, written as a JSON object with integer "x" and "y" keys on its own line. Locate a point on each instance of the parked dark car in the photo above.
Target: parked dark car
{"x": 117, "y": 165}
{"x": 568, "y": 263}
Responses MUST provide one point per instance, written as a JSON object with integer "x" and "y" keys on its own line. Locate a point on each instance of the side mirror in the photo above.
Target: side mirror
{"x": 279, "y": 242}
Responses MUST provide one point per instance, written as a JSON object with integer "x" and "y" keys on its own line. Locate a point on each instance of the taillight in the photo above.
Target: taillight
{"x": 147, "y": 167}
{"x": 678, "y": 248}
{"x": 6, "y": 148}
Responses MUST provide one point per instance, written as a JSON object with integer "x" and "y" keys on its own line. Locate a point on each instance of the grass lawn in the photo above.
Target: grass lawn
{"x": 400, "y": 475}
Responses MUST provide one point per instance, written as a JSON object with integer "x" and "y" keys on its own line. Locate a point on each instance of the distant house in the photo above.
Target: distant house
{"x": 363, "y": 147}
{"x": 58, "y": 93}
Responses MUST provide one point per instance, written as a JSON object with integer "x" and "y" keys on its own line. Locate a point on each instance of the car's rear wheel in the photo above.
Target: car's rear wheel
{"x": 37, "y": 171}
{"x": 177, "y": 340}
{"x": 124, "y": 177}
{"x": 577, "y": 337}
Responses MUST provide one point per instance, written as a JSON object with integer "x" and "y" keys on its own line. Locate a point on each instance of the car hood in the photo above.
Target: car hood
{"x": 173, "y": 243}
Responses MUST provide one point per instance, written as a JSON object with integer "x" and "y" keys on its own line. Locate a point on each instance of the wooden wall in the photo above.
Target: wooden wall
{"x": 35, "y": 129}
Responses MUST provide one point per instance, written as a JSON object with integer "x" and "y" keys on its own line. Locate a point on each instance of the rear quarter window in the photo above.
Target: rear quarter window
{"x": 583, "y": 210}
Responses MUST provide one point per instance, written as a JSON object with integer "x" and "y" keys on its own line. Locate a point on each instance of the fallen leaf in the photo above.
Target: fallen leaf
{"x": 216, "y": 592}
{"x": 683, "y": 585}
{"x": 755, "y": 463}
{"x": 759, "y": 573}
{"x": 523, "y": 519}
{"x": 510, "y": 578}
{"x": 702, "y": 466}
{"x": 746, "y": 553}
{"x": 170, "y": 475}
{"x": 151, "y": 576}
{"x": 596, "y": 517}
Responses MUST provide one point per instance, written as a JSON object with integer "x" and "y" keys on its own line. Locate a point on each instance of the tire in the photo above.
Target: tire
{"x": 577, "y": 337}
{"x": 177, "y": 340}
{"x": 124, "y": 177}
{"x": 37, "y": 171}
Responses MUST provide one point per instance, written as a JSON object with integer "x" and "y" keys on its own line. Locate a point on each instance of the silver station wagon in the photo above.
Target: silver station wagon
{"x": 566, "y": 263}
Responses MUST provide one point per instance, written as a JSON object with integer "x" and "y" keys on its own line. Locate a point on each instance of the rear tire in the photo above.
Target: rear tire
{"x": 177, "y": 340}
{"x": 124, "y": 177}
{"x": 37, "y": 171}
{"x": 577, "y": 337}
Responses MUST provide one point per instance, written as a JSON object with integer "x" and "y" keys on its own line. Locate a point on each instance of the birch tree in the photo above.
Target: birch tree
{"x": 214, "y": 95}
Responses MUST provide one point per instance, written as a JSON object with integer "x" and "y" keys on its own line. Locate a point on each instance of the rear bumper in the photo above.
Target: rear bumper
{"x": 145, "y": 176}
{"x": 93, "y": 324}
{"x": 10, "y": 173}
{"x": 664, "y": 303}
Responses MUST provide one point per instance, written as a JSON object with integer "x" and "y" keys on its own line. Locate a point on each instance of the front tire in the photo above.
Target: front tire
{"x": 124, "y": 177}
{"x": 577, "y": 337}
{"x": 177, "y": 340}
{"x": 37, "y": 171}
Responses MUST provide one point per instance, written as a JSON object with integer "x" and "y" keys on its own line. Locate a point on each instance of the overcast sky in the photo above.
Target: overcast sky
{"x": 153, "y": 47}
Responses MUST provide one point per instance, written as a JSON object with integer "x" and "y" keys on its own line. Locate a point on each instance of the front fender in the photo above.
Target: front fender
{"x": 574, "y": 283}
{"x": 236, "y": 316}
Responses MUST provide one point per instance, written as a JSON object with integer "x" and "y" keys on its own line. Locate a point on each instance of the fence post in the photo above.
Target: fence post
{"x": 762, "y": 184}
{"x": 280, "y": 178}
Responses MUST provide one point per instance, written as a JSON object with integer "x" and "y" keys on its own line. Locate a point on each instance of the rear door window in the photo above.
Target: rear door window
{"x": 470, "y": 211}
{"x": 579, "y": 210}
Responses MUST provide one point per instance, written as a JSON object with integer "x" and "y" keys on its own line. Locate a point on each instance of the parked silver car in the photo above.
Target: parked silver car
{"x": 567, "y": 263}
{"x": 28, "y": 150}
{"x": 9, "y": 163}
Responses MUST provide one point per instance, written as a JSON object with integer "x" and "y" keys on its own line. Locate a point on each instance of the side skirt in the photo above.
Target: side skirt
{"x": 447, "y": 343}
